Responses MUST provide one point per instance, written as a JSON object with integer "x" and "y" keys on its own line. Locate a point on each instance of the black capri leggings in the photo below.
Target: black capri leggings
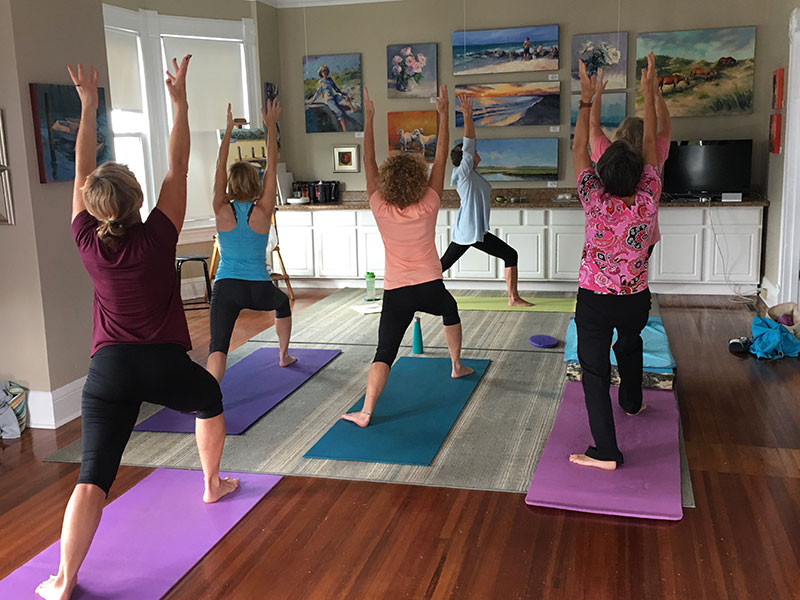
{"x": 230, "y": 296}
{"x": 491, "y": 244}
{"x": 121, "y": 377}
{"x": 399, "y": 306}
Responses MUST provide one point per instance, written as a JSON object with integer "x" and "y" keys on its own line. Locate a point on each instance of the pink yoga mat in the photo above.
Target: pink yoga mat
{"x": 648, "y": 485}
{"x": 148, "y": 539}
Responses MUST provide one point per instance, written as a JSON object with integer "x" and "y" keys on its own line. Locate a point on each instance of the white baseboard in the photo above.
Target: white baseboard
{"x": 51, "y": 410}
{"x": 772, "y": 292}
{"x": 194, "y": 287}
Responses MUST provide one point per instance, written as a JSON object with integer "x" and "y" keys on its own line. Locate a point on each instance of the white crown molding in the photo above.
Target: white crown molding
{"x": 314, "y": 3}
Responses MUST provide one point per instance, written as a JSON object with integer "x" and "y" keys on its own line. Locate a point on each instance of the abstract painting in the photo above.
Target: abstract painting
{"x": 413, "y": 131}
{"x": 777, "y": 89}
{"x": 775, "y": 133}
{"x": 702, "y": 71}
{"x": 332, "y": 93}
{"x": 607, "y": 51}
{"x": 411, "y": 71}
{"x": 612, "y": 113}
{"x": 530, "y": 159}
{"x": 501, "y": 104}
{"x": 56, "y": 116}
{"x": 505, "y": 50}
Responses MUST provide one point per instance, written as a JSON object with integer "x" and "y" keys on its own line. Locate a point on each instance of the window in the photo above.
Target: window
{"x": 140, "y": 46}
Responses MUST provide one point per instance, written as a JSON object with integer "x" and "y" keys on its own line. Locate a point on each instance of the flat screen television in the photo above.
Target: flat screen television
{"x": 708, "y": 167}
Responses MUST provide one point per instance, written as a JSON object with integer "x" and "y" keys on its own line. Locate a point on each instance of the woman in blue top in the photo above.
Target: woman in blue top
{"x": 472, "y": 222}
{"x": 244, "y": 215}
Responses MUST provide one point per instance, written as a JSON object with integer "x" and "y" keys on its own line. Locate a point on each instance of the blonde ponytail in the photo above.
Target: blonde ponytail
{"x": 113, "y": 196}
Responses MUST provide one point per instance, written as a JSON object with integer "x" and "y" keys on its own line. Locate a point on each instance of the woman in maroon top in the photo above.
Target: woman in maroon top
{"x": 140, "y": 335}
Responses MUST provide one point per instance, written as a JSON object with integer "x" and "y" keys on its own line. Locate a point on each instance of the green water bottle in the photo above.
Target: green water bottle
{"x": 370, "y": 279}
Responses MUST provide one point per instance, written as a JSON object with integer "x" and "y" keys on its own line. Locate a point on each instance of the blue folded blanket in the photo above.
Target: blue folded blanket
{"x": 657, "y": 356}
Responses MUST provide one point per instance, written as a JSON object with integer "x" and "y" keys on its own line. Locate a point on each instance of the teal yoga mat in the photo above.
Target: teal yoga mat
{"x": 412, "y": 418}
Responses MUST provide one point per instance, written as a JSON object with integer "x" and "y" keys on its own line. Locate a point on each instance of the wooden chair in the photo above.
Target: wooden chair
{"x": 276, "y": 277}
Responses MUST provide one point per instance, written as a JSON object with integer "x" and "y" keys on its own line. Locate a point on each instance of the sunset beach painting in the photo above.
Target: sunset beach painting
{"x": 505, "y": 50}
{"x": 529, "y": 159}
{"x": 503, "y": 104}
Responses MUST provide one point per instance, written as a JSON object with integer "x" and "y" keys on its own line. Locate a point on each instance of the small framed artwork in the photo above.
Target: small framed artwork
{"x": 6, "y": 206}
{"x": 775, "y": 134}
{"x": 345, "y": 159}
{"x": 777, "y": 89}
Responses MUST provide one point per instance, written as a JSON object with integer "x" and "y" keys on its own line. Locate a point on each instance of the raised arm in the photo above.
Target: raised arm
{"x": 662, "y": 116}
{"x": 172, "y": 199}
{"x": 466, "y": 110}
{"x": 370, "y": 164}
{"x": 649, "y": 148}
{"x": 580, "y": 156}
{"x": 595, "y": 113}
{"x": 267, "y": 201}
{"x": 85, "y": 81}
{"x": 436, "y": 181}
{"x": 221, "y": 174}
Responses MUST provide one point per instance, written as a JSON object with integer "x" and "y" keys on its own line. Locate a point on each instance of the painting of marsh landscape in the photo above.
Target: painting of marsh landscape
{"x": 530, "y": 159}
{"x": 612, "y": 112}
{"x": 411, "y": 71}
{"x": 607, "y": 51}
{"x": 413, "y": 131}
{"x": 502, "y": 104}
{"x": 702, "y": 71}
{"x": 505, "y": 50}
{"x": 332, "y": 93}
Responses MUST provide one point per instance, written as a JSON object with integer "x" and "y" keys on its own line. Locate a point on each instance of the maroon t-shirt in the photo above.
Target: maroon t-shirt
{"x": 136, "y": 295}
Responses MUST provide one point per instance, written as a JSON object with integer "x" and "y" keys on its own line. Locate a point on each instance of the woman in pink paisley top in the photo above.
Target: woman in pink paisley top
{"x": 620, "y": 200}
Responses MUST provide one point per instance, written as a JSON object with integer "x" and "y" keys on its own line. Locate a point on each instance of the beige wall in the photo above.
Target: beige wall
{"x": 368, "y": 28}
{"x": 207, "y": 9}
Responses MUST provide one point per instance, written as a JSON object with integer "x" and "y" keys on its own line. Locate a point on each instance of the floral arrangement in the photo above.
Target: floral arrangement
{"x": 406, "y": 66}
{"x": 597, "y": 56}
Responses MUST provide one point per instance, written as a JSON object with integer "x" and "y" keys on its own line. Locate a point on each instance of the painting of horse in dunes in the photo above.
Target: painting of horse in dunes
{"x": 701, "y": 71}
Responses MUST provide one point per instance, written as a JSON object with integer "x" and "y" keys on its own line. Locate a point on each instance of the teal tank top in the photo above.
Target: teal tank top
{"x": 242, "y": 251}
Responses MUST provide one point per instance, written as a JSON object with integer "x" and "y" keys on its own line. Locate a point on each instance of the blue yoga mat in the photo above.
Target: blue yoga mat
{"x": 412, "y": 418}
{"x": 657, "y": 356}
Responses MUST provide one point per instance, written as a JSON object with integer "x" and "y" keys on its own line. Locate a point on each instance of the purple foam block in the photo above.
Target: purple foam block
{"x": 250, "y": 388}
{"x": 544, "y": 341}
{"x": 787, "y": 320}
{"x": 647, "y": 485}
{"x": 148, "y": 538}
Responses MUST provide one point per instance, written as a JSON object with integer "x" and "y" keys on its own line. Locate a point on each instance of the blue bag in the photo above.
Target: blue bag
{"x": 772, "y": 340}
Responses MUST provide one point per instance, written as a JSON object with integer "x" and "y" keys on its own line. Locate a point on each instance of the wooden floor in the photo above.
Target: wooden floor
{"x": 327, "y": 539}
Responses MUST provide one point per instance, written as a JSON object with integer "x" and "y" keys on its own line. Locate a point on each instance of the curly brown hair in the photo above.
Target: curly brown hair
{"x": 403, "y": 179}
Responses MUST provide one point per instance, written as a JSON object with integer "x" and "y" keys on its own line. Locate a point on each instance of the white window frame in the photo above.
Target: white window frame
{"x": 151, "y": 27}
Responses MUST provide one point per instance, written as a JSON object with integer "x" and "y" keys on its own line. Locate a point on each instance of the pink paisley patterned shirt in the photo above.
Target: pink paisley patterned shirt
{"x": 614, "y": 259}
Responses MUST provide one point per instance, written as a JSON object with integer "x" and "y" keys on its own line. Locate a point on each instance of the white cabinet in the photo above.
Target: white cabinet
{"x": 529, "y": 243}
{"x": 564, "y": 253}
{"x": 733, "y": 255}
{"x": 679, "y": 255}
{"x": 475, "y": 264}
{"x": 335, "y": 247}
{"x": 296, "y": 242}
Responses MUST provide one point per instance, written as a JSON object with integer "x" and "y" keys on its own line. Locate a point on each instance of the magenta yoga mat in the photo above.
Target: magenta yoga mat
{"x": 250, "y": 389}
{"x": 647, "y": 485}
{"x": 148, "y": 539}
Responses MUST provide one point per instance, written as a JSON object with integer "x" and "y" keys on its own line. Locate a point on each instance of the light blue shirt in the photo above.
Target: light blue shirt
{"x": 472, "y": 221}
{"x": 242, "y": 251}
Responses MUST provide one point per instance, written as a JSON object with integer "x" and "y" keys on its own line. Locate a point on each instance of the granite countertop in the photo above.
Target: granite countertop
{"x": 534, "y": 198}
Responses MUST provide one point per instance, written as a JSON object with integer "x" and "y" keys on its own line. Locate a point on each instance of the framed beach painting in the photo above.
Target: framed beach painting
{"x": 56, "y": 116}
{"x": 413, "y": 131}
{"x": 505, "y": 50}
{"x": 612, "y": 113}
{"x": 607, "y": 51}
{"x": 702, "y": 71}
{"x": 503, "y": 104}
{"x": 332, "y": 93}
{"x": 411, "y": 71}
{"x": 516, "y": 159}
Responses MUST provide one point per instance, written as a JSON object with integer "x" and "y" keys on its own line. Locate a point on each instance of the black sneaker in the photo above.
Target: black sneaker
{"x": 740, "y": 344}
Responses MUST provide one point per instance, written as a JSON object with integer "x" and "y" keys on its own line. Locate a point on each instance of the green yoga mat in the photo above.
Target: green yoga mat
{"x": 414, "y": 414}
{"x": 498, "y": 303}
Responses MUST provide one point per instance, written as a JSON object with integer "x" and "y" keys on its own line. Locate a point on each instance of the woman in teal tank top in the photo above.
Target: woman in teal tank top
{"x": 243, "y": 212}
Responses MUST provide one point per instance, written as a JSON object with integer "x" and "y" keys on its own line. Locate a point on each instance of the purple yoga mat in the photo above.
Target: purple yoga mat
{"x": 648, "y": 485}
{"x": 250, "y": 388}
{"x": 148, "y": 538}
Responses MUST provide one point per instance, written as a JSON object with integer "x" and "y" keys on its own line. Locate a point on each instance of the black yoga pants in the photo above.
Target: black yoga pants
{"x": 596, "y": 317}
{"x": 399, "y": 306}
{"x": 121, "y": 377}
{"x": 491, "y": 244}
{"x": 228, "y": 299}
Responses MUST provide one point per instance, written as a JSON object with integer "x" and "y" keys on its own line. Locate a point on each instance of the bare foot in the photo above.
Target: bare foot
{"x": 640, "y": 411}
{"x": 588, "y": 461}
{"x": 287, "y": 360}
{"x": 359, "y": 418}
{"x": 52, "y": 589}
{"x": 220, "y": 488}
{"x": 461, "y": 371}
{"x": 519, "y": 301}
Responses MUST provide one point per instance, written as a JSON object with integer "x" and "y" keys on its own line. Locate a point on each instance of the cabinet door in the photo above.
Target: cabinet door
{"x": 297, "y": 251}
{"x": 335, "y": 252}
{"x": 529, "y": 244}
{"x": 564, "y": 253}
{"x": 370, "y": 252}
{"x": 679, "y": 255}
{"x": 475, "y": 265}
{"x": 733, "y": 254}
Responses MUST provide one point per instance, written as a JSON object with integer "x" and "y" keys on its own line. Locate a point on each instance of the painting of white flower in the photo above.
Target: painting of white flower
{"x": 608, "y": 51}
